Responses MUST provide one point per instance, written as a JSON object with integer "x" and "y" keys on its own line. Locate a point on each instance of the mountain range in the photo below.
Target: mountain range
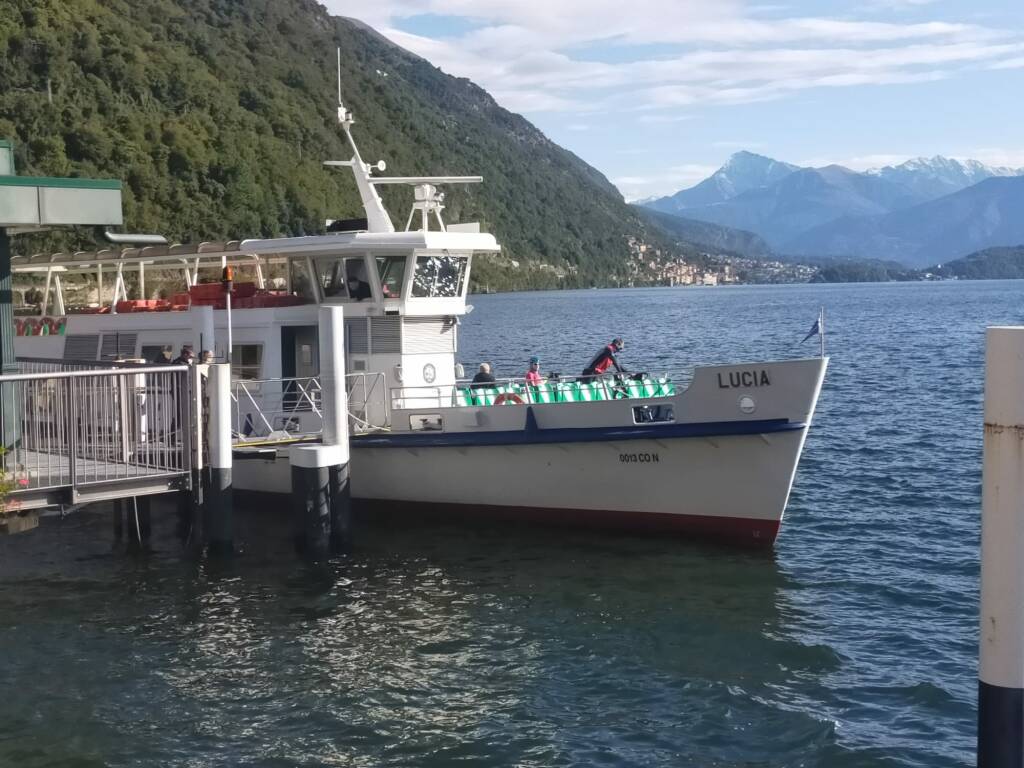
{"x": 918, "y": 213}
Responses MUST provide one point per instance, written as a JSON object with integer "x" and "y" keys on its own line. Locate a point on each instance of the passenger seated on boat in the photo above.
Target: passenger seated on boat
{"x": 484, "y": 378}
{"x": 605, "y": 359}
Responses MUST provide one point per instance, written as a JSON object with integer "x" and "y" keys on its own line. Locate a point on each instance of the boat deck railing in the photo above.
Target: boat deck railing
{"x": 287, "y": 409}
{"x": 276, "y": 409}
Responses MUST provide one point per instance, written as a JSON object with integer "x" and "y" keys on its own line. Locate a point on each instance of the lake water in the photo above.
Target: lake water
{"x": 853, "y": 644}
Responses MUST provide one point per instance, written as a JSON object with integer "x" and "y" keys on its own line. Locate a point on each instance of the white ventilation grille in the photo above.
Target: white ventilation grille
{"x": 428, "y": 334}
{"x": 81, "y": 347}
{"x": 385, "y": 335}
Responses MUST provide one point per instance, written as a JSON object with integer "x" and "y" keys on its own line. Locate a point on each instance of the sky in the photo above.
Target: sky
{"x": 656, "y": 94}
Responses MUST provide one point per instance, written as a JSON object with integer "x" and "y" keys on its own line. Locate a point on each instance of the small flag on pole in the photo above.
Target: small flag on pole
{"x": 815, "y": 330}
{"x": 818, "y": 329}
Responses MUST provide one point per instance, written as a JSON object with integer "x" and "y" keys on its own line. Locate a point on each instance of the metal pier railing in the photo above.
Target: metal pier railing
{"x": 75, "y": 436}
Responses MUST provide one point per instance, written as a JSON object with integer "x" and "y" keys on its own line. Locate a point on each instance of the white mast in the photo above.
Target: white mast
{"x": 377, "y": 218}
{"x": 428, "y": 199}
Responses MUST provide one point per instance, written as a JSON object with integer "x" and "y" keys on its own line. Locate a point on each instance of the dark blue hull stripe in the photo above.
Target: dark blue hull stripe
{"x": 538, "y": 436}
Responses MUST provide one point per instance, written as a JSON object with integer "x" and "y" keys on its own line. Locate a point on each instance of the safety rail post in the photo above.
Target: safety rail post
{"x": 219, "y": 501}
{"x": 1001, "y": 667}
{"x": 321, "y": 497}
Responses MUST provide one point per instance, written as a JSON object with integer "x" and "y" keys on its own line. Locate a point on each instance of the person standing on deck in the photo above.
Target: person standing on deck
{"x": 605, "y": 359}
{"x": 163, "y": 357}
{"x": 533, "y": 375}
{"x": 185, "y": 358}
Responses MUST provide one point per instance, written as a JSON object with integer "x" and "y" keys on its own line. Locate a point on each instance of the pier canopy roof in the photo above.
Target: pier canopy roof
{"x": 240, "y": 252}
{"x": 36, "y": 203}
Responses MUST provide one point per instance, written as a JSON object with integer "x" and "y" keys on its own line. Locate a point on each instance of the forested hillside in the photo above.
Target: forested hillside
{"x": 989, "y": 264}
{"x": 217, "y": 114}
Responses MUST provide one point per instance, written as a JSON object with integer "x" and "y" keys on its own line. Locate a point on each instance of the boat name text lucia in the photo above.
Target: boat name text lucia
{"x": 758, "y": 378}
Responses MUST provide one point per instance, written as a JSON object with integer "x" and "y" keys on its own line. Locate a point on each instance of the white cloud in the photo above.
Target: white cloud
{"x": 994, "y": 156}
{"x": 1008, "y": 158}
{"x": 1016, "y": 63}
{"x": 858, "y": 162}
{"x": 537, "y": 56}
{"x": 677, "y": 177}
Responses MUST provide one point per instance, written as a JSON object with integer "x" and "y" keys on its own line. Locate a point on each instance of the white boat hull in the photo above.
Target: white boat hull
{"x": 727, "y": 477}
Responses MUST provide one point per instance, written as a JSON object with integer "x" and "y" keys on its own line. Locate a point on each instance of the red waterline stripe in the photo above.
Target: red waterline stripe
{"x": 742, "y": 530}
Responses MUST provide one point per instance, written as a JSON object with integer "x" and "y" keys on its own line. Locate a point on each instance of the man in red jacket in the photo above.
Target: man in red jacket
{"x": 605, "y": 359}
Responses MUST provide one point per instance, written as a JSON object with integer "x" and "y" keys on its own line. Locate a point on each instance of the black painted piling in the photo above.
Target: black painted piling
{"x": 1001, "y": 652}
{"x": 321, "y": 499}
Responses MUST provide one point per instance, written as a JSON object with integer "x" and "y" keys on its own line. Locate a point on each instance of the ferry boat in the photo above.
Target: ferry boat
{"x": 714, "y": 458}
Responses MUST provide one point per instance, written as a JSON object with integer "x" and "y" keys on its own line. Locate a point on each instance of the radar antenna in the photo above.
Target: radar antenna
{"x": 427, "y": 198}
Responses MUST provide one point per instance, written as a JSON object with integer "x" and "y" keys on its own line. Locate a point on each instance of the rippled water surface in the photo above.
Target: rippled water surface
{"x": 854, "y": 644}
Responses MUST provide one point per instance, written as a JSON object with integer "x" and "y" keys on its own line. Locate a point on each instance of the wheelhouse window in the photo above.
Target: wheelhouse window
{"x": 246, "y": 361}
{"x": 391, "y": 270}
{"x": 439, "y": 276}
{"x": 344, "y": 278}
{"x": 299, "y": 280}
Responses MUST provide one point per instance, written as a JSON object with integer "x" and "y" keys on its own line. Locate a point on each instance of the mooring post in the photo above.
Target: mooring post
{"x": 322, "y": 504}
{"x": 1001, "y": 663}
{"x": 218, "y": 499}
{"x": 203, "y": 337}
{"x": 334, "y": 396}
{"x": 190, "y": 500}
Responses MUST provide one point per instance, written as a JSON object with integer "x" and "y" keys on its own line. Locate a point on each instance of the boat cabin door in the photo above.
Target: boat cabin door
{"x": 299, "y": 352}
{"x": 300, "y": 361}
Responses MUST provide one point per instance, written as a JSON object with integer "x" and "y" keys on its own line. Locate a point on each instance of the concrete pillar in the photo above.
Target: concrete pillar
{"x": 322, "y": 507}
{"x": 334, "y": 408}
{"x": 203, "y": 330}
{"x": 218, "y": 498}
{"x": 1001, "y": 667}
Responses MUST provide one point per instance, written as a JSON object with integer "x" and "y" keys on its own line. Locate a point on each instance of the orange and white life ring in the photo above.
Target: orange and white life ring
{"x": 508, "y": 398}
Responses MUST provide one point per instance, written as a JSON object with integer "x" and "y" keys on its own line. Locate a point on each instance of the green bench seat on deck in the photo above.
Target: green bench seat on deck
{"x": 485, "y": 396}
{"x": 541, "y": 394}
{"x": 568, "y": 392}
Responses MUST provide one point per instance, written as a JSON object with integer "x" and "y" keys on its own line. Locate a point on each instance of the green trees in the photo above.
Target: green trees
{"x": 217, "y": 114}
